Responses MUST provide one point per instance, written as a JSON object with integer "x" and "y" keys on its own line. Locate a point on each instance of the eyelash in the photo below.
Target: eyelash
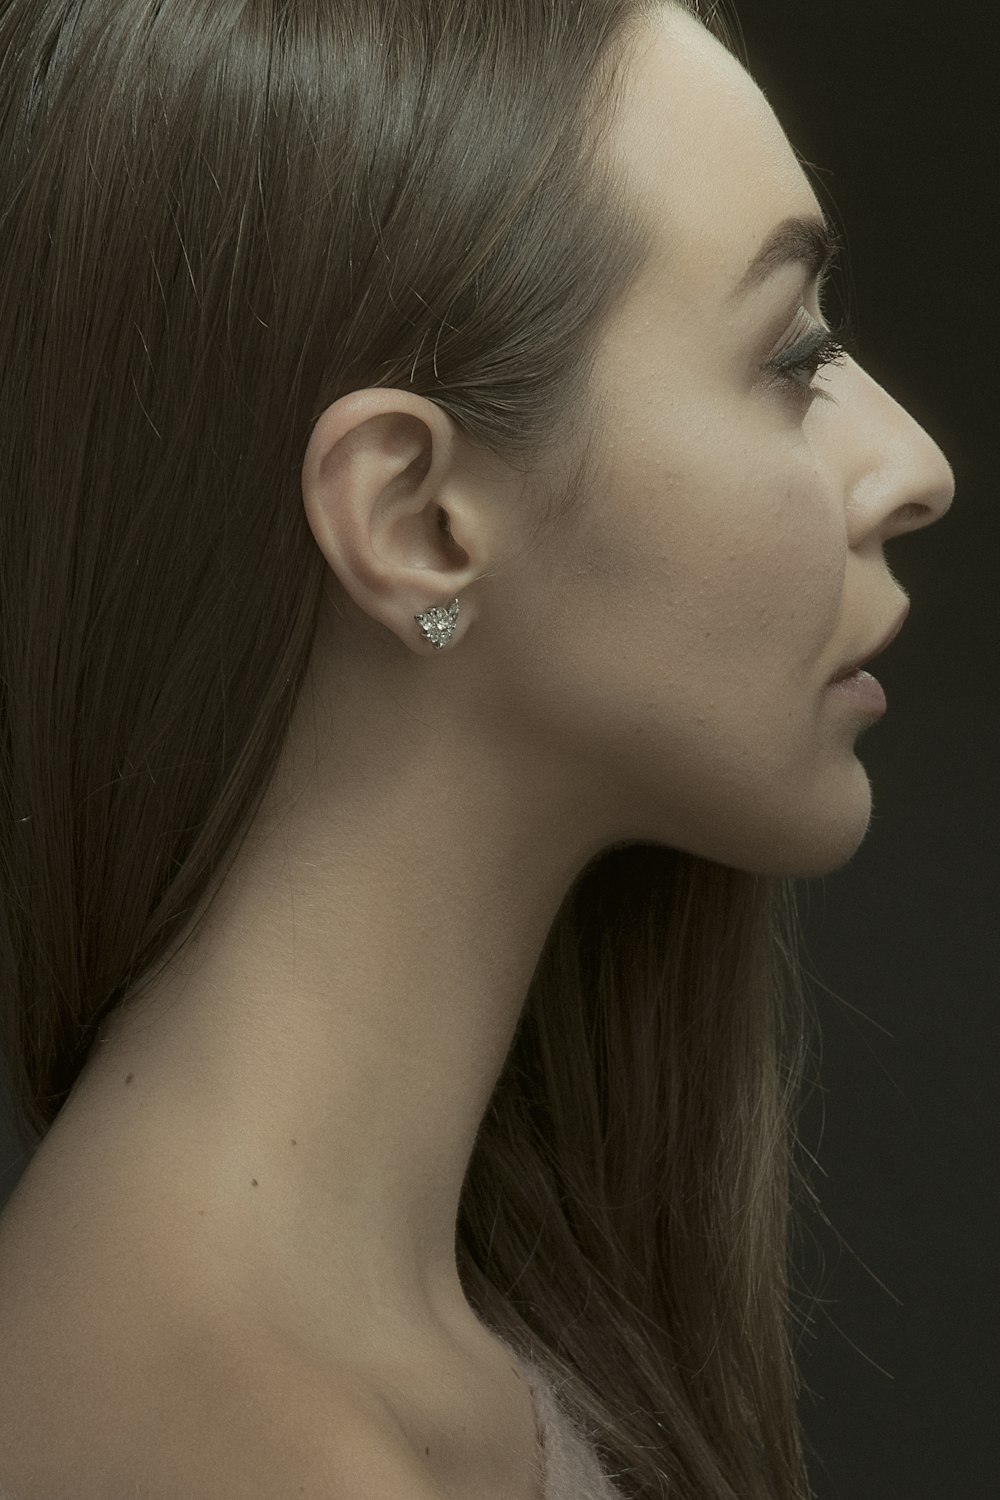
{"x": 826, "y": 346}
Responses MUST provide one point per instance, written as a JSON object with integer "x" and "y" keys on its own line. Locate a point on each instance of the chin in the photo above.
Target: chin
{"x": 823, "y": 848}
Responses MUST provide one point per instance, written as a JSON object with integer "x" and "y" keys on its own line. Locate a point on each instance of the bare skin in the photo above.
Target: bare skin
{"x": 263, "y": 1161}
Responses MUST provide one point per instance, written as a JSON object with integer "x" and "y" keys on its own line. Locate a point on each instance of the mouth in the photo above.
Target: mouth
{"x": 883, "y": 645}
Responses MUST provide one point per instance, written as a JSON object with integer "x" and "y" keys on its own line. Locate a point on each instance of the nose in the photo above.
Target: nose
{"x": 903, "y": 482}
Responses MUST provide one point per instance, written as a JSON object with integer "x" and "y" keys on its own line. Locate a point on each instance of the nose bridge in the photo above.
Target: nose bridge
{"x": 899, "y": 466}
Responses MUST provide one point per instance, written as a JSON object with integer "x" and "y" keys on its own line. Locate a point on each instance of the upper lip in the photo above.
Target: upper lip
{"x": 886, "y": 641}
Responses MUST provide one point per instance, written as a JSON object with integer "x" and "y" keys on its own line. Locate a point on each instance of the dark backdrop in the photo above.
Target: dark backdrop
{"x": 893, "y": 102}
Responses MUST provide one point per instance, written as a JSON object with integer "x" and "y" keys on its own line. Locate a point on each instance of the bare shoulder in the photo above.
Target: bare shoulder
{"x": 99, "y": 1404}
{"x": 101, "y": 1447}
{"x": 119, "y": 1382}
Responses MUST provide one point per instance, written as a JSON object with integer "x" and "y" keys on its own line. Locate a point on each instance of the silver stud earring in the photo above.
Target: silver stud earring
{"x": 438, "y": 625}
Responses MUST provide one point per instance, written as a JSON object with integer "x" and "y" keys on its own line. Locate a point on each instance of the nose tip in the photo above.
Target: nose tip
{"x": 949, "y": 487}
{"x": 932, "y": 486}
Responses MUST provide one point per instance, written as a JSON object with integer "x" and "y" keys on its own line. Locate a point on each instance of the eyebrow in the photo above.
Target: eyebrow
{"x": 809, "y": 240}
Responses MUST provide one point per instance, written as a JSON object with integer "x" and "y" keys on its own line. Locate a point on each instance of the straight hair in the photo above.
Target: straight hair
{"x": 217, "y": 217}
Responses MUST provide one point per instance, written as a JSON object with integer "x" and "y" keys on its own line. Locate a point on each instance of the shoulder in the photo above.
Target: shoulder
{"x": 114, "y": 1408}
{"x": 54, "y": 1450}
{"x": 113, "y": 1389}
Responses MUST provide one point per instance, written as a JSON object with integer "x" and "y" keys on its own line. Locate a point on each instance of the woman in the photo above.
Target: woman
{"x": 435, "y": 512}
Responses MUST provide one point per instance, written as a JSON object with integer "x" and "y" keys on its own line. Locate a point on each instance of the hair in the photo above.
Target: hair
{"x": 218, "y": 217}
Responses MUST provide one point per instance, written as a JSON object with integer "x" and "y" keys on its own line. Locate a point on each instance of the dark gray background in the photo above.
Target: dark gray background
{"x": 896, "y": 106}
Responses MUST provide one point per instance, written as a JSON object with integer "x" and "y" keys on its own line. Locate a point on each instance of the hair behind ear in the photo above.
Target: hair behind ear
{"x": 218, "y": 219}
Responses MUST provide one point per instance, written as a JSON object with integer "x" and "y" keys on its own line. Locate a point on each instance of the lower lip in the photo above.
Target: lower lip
{"x": 864, "y": 690}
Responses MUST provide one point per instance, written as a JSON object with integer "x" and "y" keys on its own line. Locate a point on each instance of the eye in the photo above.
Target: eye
{"x": 797, "y": 367}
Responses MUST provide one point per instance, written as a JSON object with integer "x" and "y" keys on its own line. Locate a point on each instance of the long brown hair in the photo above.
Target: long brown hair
{"x": 216, "y": 218}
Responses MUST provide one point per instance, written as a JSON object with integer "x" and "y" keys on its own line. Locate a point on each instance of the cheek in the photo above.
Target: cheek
{"x": 694, "y": 611}
{"x": 686, "y": 619}
{"x": 676, "y": 676}
{"x": 731, "y": 558}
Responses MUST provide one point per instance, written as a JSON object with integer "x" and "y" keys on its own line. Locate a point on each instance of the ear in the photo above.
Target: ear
{"x": 402, "y": 518}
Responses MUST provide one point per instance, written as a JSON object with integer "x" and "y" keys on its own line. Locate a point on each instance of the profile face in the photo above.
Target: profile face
{"x": 691, "y": 617}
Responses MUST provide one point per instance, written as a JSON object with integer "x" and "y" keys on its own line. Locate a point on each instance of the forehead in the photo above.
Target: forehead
{"x": 707, "y": 154}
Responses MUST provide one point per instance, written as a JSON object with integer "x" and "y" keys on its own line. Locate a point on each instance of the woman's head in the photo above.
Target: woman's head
{"x": 680, "y": 626}
{"x": 400, "y": 263}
